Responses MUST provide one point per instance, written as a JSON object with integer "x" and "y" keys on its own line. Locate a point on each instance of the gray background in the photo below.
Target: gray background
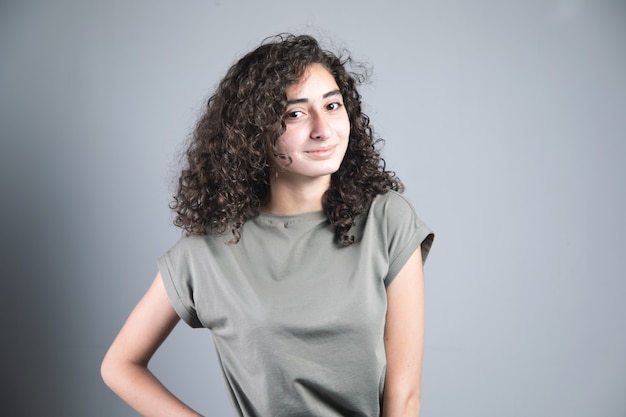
{"x": 506, "y": 120}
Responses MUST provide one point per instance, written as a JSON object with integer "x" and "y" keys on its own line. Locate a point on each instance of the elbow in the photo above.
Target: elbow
{"x": 112, "y": 371}
{"x": 117, "y": 371}
{"x": 412, "y": 406}
{"x": 402, "y": 403}
{"x": 107, "y": 371}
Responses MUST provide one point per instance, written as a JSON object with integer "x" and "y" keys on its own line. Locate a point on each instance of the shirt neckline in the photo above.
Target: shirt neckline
{"x": 293, "y": 218}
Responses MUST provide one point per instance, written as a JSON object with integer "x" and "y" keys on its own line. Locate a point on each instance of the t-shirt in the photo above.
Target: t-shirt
{"x": 297, "y": 320}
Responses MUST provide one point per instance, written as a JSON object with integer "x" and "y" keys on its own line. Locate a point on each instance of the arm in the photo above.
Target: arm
{"x": 125, "y": 365}
{"x": 404, "y": 340}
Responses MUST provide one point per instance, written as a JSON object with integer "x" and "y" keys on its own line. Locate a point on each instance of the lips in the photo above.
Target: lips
{"x": 322, "y": 153}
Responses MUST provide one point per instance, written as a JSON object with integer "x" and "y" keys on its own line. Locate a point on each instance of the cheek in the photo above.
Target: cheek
{"x": 283, "y": 145}
{"x": 345, "y": 128}
{"x": 343, "y": 123}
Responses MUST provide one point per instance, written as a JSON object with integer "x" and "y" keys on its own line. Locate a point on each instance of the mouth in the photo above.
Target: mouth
{"x": 322, "y": 153}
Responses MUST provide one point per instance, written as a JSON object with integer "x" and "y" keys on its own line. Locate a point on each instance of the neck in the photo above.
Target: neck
{"x": 288, "y": 198}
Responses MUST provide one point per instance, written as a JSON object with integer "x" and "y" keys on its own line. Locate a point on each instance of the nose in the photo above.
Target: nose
{"x": 320, "y": 127}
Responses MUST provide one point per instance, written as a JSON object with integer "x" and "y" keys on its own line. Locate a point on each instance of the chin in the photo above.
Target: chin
{"x": 331, "y": 169}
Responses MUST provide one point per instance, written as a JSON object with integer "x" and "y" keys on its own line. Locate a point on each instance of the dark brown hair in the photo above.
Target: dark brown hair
{"x": 226, "y": 177}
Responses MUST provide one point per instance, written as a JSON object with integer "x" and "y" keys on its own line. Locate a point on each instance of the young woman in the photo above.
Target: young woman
{"x": 300, "y": 255}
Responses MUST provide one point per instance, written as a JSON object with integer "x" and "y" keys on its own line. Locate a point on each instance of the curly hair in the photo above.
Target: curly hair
{"x": 226, "y": 177}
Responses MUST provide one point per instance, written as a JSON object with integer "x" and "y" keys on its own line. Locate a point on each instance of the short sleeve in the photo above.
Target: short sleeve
{"x": 176, "y": 270}
{"x": 405, "y": 233}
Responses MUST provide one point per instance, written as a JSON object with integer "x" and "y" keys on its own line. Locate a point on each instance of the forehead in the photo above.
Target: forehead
{"x": 316, "y": 78}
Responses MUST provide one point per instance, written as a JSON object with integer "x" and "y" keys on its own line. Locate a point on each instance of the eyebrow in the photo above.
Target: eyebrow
{"x": 306, "y": 100}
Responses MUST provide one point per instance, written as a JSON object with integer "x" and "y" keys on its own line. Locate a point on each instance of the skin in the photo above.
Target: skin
{"x": 404, "y": 340}
{"x": 315, "y": 140}
{"x": 314, "y": 144}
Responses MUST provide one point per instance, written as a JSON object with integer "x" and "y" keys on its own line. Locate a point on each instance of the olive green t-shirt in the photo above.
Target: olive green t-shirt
{"x": 297, "y": 320}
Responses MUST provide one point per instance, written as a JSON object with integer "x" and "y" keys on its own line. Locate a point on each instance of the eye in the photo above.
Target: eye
{"x": 334, "y": 105}
{"x": 293, "y": 114}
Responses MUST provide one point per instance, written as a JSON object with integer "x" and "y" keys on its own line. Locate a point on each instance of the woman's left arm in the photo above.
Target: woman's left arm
{"x": 404, "y": 340}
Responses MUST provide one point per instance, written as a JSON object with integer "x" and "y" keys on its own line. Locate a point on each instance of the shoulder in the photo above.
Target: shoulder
{"x": 392, "y": 205}
{"x": 188, "y": 242}
{"x": 397, "y": 221}
{"x": 191, "y": 246}
{"x": 392, "y": 213}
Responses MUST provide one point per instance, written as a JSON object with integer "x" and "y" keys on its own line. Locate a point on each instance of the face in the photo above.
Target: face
{"x": 317, "y": 128}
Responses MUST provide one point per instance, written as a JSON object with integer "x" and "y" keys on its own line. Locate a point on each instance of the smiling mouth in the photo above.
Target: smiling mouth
{"x": 322, "y": 153}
